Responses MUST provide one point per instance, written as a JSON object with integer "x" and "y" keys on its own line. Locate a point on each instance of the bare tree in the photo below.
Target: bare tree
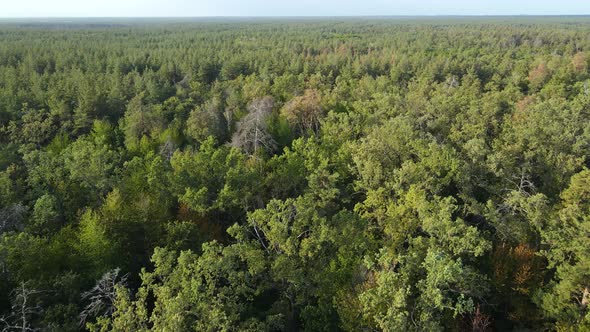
{"x": 102, "y": 296}
{"x": 252, "y": 132}
{"x": 11, "y": 218}
{"x": 480, "y": 322}
{"x": 24, "y": 308}
{"x": 452, "y": 82}
{"x": 524, "y": 187}
{"x": 168, "y": 148}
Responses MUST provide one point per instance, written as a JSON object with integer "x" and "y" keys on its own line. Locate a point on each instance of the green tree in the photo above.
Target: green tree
{"x": 567, "y": 295}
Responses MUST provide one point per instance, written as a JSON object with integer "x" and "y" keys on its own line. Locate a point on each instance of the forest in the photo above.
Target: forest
{"x": 329, "y": 174}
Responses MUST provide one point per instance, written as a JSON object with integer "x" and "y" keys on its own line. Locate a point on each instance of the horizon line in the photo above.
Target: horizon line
{"x": 298, "y": 16}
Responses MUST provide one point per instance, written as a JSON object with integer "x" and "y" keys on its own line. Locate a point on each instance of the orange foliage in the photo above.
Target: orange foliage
{"x": 580, "y": 62}
{"x": 539, "y": 75}
{"x": 522, "y": 107}
{"x": 184, "y": 212}
{"x": 517, "y": 272}
{"x": 304, "y": 112}
{"x": 517, "y": 268}
{"x": 213, "y": 229}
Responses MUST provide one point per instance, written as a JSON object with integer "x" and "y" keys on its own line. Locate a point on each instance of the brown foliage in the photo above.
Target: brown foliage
{"x": 538, "y": 76}
{"x": 517, "y": 272}
{"x": 304, "y": 112}
{"x": 522, "y": 108}
{"x": 479, "y": 321}
{"x": 213, "y": 229}
{"x": 580, "y": 63}
{"x": 517, "y": 268}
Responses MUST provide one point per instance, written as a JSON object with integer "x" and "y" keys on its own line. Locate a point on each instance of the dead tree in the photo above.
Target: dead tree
{"x": 480, "y": 322}
{"x": 168, "y": 148}
{"x": 102, "y": 296}
{"x": 24, "y": 309}
{"x": 252, "y": 132}
{"x": 11, "y": 218}
{"x": 452, "y": 82}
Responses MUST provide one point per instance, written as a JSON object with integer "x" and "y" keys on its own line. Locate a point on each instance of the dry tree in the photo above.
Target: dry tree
{"x": 25, "y": 307}
{"x": 102, "y": 296}
{"x": 252, "y": 132}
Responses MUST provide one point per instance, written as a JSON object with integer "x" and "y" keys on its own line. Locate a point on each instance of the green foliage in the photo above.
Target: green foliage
{"x": 567, "y": 296}
{"x": 45, "y": 217}
{"x": 317, "y": 175}
{"x": 219, "y": 289}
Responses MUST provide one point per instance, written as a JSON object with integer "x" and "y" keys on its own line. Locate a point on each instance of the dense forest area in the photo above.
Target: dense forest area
{"x": 295, "y": 175}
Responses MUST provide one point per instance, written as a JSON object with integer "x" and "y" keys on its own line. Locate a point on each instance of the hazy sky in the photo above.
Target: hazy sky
{"x": 142, "y": 8}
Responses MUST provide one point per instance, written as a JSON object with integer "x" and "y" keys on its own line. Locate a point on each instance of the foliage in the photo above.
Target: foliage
{"x": 314, "y": 175}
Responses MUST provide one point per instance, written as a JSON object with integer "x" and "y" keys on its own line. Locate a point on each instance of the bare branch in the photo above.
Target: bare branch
{"x": 23, "y": 309}
{"x": 252, "y": 132}
{"x": 102, "y": 296}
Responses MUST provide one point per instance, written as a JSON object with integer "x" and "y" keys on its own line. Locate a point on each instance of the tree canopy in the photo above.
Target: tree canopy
{"x": 331, "y": 174}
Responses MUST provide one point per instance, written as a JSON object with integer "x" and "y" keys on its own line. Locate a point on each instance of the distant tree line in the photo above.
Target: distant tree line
{"x": 317, "y": 175}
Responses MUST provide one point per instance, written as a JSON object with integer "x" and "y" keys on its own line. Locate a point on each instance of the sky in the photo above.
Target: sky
{"x": 198, "y": 8}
